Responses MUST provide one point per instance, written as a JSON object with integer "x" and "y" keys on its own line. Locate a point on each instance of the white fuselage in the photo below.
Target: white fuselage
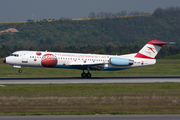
{"x": 73, "y": 60}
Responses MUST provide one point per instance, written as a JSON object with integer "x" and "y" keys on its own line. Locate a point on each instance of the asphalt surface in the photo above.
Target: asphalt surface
{"x": 64, "y": 80}
{"x": 94, "y": 117}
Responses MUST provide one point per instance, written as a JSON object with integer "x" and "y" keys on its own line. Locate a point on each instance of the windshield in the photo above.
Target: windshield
{"x": 16, "y": 55}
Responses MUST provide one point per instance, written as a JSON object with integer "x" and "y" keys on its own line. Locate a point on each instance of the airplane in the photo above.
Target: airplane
{"x": 146, "y": 56}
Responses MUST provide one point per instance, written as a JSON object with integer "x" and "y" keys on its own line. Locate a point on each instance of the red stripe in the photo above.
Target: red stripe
{"x": 157, "y": 43}
{"x": 139, "y": 55}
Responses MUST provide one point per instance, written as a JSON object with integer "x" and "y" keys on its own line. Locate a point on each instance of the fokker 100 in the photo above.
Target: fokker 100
{"x": 146, "y": 56}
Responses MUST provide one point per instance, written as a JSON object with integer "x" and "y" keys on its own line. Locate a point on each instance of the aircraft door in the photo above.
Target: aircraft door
{"x": 24, "y": 57}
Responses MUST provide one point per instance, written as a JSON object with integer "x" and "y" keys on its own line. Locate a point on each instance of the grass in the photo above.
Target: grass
{"x": 78, "y": 99}
{"x": 163, "y": 67}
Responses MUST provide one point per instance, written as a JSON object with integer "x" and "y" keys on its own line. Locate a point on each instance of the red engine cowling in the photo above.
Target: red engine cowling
{"x": 49, "y": 60}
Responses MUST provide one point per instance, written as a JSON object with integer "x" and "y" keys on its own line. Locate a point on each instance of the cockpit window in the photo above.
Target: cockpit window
{"x": 15, "y": 55}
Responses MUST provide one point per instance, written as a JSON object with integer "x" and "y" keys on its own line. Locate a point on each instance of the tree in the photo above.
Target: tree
{"x": 92, "y": 15}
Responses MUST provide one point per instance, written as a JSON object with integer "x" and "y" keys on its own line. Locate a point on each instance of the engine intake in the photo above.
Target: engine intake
{"x": 121, "y": 61}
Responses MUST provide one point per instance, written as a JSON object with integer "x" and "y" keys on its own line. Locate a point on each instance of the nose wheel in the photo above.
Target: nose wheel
{"x": 20, "y": 71}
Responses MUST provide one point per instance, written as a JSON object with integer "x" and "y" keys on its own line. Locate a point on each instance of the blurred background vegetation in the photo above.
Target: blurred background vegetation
{"x": 102, "y": 33}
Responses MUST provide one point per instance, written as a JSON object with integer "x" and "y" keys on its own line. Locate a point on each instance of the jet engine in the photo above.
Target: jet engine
{"x": 121, "y": 61}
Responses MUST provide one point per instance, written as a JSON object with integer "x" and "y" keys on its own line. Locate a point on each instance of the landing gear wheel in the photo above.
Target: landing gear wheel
{"x": 88, "y": 75}
{"x": 20, "y": 71}
{"x": 83, "y": 75}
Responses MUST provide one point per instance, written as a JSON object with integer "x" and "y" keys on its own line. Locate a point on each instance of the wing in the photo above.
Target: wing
{"x": 88, "y": 66}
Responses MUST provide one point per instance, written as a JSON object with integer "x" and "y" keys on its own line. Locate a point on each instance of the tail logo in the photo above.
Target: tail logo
{"x": 150, "y": 48}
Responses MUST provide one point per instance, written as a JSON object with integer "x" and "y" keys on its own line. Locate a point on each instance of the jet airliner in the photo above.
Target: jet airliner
{"x": 146, "y": 56}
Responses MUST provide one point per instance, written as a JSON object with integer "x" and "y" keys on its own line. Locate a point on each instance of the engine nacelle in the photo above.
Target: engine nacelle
{"x": 121, "y": 61}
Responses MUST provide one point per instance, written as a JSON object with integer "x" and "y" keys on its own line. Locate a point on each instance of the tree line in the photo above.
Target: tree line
{"x": 119, "y": 14}
{"x": 109, "y": 35}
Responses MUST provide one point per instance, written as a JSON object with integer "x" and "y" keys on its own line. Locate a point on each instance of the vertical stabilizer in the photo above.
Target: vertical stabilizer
{"x": 151, "y": 49}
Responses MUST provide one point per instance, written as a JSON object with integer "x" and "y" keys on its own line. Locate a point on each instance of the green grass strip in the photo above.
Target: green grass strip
{"x": 82, "y": 99}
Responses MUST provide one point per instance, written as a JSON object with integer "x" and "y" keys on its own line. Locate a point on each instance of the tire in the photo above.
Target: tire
{"x": 83, "y": 75}
{"x": 20, "y": 71}
{"x": 88, "y": 75}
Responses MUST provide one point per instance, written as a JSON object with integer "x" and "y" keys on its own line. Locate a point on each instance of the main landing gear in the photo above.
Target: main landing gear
{"x": 86, "y": 75}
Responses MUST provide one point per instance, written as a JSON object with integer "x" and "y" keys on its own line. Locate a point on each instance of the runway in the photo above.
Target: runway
{"x": 94, "y": 117}
{"x": 76, "y": 80}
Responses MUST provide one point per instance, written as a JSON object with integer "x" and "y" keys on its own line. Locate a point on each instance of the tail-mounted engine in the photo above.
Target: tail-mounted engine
{"x": 121, "y": 61}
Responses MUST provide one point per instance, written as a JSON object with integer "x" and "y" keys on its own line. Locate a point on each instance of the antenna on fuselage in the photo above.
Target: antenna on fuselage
{"x": 46, "y": 51}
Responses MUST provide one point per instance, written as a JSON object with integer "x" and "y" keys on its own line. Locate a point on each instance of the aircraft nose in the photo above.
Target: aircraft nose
{"x": 4, "y": 60}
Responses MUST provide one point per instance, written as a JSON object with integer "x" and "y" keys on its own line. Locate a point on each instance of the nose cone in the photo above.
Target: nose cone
{"x": 4, "y": 60}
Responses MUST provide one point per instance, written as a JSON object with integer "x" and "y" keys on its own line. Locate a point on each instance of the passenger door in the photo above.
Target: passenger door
{"x": 24, "y": 57}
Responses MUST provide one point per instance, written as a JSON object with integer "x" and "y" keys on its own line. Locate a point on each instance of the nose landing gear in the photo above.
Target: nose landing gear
{"x": 20, "y": 71}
